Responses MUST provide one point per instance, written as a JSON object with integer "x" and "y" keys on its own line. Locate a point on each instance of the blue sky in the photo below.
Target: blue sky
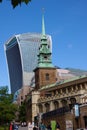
{"x": 65, "y": 21}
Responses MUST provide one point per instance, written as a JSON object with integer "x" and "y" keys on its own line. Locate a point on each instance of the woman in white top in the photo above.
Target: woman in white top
{"x": 30, "y": 126}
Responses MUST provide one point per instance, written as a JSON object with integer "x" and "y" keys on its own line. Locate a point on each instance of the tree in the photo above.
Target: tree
{"x": 7, "y": 108}
{"x": 15, "y": 3}
{"x": 22, "y": 112}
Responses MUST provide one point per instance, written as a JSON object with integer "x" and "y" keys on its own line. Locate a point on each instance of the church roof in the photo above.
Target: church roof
{"x": 63, "y": 82}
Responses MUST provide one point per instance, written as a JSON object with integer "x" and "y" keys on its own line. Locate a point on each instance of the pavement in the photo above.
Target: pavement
{"x": 22, "y": 128}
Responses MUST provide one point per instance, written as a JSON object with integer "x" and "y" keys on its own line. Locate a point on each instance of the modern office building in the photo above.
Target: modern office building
{"x": 21, "y": 55}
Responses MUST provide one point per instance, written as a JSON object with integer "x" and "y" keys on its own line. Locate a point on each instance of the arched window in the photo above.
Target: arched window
{"x": 73, "y": 100}
{"x": 45, "y": 57}
{"x": 47, "y": 76}
{"x": 47, "y": 105}
{"x": 56, "y": 104}
{"x": 64, "y": 102}
{"x": 40, "y": 108}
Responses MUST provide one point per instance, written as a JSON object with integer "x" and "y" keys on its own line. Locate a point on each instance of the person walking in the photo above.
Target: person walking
{"x": 30, "y": 126}
{"x": 42, "y": 126}
{"x": 11, "y": 126}
{"x": 49, "y": 126}
{"x": 15, "y": 127}
{"x": 57, "y": 126}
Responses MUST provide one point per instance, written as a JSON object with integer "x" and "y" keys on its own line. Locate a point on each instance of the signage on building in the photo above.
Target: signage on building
{"x": 77, "y": 112}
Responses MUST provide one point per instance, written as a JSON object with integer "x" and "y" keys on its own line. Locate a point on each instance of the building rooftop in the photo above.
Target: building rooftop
{"x": 65, "y": 81}
{"x": 77, "y": 72}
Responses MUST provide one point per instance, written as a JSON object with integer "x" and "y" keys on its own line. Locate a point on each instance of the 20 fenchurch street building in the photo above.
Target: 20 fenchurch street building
{"x": 21, "y": 55}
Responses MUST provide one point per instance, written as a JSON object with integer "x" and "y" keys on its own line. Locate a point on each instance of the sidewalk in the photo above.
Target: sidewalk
{"x": 23, "y": 128}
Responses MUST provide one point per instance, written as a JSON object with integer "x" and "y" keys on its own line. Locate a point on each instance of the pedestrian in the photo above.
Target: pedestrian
{"x": 57, "y": 126}
{"x": 22, "y": 124}
{"x": 86, "y": 128}
{"x": 42, "y": 126}
{"x": 11, "y": 126}
{"x": 30, "y": 126}
{"x": 35, "y": 128}
{"x": 15, "y": 127}
{"x": 49, "y": 126}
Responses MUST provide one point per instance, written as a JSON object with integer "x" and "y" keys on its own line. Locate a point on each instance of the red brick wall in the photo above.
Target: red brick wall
{"x": 40, "y": 77}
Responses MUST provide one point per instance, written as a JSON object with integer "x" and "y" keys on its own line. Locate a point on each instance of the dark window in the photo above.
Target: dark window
{"x": 56, "y": 104}
{"x": 64, "y": 103}
{"x": 47, "y": 105}
{"x": 47, "y": 76}
{"x": 73, "y": 100}
{"x": 40, "y": 108}
{"x": 45, "y": 57}
{"x": 21, "y": 103}
{"x": 21, "y": 97}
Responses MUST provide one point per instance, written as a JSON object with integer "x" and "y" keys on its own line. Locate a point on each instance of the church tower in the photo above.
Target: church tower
{"x": 45, "y": 73}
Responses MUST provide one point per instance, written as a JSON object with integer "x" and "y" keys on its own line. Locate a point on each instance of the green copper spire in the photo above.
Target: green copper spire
{"x": 43, "y": 26}
{"x": 44, "y": 56}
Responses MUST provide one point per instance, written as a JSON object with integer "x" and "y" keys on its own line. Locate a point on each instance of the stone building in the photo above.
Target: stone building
{"x": 54, "y": 99}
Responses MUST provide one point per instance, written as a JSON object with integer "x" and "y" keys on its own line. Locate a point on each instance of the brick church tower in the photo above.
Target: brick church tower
{"x": 45, "y": 73}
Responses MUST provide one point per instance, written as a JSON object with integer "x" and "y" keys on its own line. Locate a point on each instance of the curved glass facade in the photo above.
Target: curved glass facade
{"x": 21, "y": 55}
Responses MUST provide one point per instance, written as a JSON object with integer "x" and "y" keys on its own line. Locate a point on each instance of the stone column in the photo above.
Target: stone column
{"x": 35, "y": 97}
{"x": 60, "y": 103}
{"x": 44, "y": 107}
{"x": 85, "y": 86}
{"x": 51, "y": 105}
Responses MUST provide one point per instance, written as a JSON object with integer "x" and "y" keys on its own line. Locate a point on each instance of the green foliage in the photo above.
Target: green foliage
{"x": 15, "y": 3}
{"x": 7, "y": 108}
{"x": 4, "y": 96}
{"x": 4, "y": 127}
{"x": 22, "y": 112}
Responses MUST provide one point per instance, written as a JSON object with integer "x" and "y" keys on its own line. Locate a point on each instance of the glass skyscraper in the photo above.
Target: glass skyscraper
{"x": 21, "y": 55}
